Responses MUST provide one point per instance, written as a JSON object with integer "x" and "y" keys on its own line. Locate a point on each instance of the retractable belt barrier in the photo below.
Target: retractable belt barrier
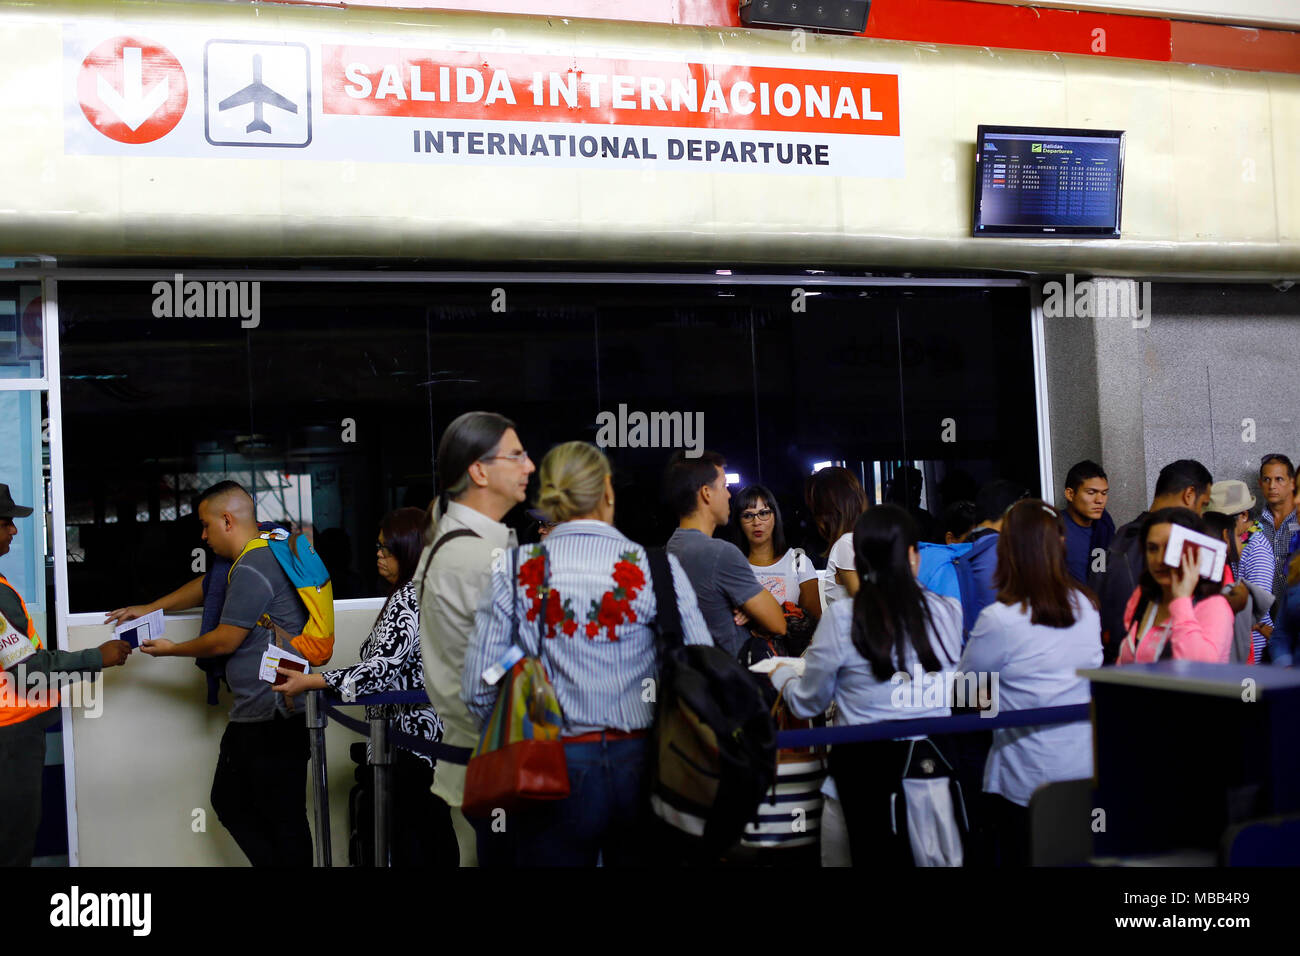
{"x": 785, "y": 739}
{"x": 438, "y": 751}
{"x": 322, "y": 707}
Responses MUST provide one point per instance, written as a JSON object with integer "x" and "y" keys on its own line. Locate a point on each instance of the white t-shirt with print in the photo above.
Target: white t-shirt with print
{"x": 783, "y": 578}
{"x": 841, "y": 556}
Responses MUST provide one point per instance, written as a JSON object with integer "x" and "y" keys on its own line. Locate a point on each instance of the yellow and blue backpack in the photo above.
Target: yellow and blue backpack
{"x": 310, "y": 578}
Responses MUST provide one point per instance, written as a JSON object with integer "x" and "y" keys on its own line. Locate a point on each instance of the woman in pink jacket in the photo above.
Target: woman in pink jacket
{"x": 1174, "y": 613}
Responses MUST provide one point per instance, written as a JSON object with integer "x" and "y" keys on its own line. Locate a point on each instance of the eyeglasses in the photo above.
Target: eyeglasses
{"x": 518, "y": 458}
{"x": 755, "y": 515}
{"x": 379, "y": 546}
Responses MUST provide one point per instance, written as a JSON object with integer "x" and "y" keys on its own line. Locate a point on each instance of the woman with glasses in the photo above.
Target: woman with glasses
{"x": 390, "y": 660}
{"x": 787, "y": 573}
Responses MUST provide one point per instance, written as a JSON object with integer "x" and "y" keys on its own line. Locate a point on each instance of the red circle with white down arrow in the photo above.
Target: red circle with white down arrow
{"x": 132, "y": 90}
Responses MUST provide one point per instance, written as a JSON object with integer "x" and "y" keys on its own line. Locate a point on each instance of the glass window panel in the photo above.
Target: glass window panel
{"x": 330, "y": 409}
{"x": 22, "y": 470}
{"x": 968, "y": 391}
{"x": 21, "y": 331}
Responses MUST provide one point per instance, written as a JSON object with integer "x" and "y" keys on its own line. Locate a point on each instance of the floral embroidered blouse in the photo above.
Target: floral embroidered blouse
{"x": 586, "y": 598}
{"x": 390, "y": 660}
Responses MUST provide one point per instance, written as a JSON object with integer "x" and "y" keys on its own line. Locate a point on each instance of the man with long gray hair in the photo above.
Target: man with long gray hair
{"x": 482, "y": 473}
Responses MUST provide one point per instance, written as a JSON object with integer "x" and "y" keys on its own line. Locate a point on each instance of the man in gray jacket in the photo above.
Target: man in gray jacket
{"x": 483, "y": 472}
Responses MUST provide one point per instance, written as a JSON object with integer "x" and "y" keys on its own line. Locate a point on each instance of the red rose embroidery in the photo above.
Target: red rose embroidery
{"x": 611, "y": 610}
{"x": 554, "y": 612}
{"x": 531, "y": 574}
{"x": 629, "y": 577}
{"x": 559, "y": 610}
{"x": 615, "y": 605}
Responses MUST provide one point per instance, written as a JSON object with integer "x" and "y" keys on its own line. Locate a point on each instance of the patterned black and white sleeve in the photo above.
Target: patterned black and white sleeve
{"x": 394, "y": 637}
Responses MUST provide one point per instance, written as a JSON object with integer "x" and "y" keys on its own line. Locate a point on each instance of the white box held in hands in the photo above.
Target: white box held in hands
{"x": 1213, "y": 553}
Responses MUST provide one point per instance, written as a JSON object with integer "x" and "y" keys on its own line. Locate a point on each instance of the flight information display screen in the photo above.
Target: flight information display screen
{"x": 1048, "y": 182}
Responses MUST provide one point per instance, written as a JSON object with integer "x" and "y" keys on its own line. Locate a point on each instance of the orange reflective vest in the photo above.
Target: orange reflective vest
{"x": 14, "y": 704}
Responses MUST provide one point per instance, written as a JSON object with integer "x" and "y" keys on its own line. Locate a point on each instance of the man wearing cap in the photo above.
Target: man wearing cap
{"x": 24, "y": 717}
{"x": 544, "y": 524}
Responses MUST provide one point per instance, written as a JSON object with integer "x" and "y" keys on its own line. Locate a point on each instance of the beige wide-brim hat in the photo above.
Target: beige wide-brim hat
{"x": 1230, "y": 497}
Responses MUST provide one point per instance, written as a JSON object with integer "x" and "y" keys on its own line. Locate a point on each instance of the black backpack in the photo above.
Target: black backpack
{"x": 714, "y": 743}
{"x": 1115, "y": 585}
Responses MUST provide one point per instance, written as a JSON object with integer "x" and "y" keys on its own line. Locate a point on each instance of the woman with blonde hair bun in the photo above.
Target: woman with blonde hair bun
{"x": 585, "y": 605}
{"x": 574, "y": 477}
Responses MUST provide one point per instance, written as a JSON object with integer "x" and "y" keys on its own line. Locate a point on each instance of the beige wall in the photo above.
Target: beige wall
{"x": 146, "y": 763}
{"x": 1135, "y": 399}
{"x": 1213, "y": 162}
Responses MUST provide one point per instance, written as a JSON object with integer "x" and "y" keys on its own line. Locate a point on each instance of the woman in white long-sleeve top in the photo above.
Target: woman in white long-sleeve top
{"x": 1042, "y": 629}
{"x": 880, "y": 656}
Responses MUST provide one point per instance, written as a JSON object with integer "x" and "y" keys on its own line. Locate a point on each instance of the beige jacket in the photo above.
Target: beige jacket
{"x": 449, "y": 594}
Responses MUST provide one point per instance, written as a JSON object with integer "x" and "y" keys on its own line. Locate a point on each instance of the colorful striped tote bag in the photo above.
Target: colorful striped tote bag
{"x": 520, "y": 756}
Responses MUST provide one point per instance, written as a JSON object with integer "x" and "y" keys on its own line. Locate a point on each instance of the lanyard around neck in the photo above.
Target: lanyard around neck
{"x": 1145, "y": 628}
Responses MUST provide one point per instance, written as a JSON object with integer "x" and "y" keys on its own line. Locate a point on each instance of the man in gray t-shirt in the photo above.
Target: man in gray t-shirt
{"x": 723, "y": 580}
{"x": 258, "y": 585}
{"x": 259, "y": 789}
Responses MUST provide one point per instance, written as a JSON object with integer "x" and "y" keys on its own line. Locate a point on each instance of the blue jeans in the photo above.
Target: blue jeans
{"x": 605, "y": 816}
{"x": 1286, "y": 623}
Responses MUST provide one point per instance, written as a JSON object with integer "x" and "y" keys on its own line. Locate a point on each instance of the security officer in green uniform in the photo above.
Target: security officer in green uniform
{"x": 23, "y": 715}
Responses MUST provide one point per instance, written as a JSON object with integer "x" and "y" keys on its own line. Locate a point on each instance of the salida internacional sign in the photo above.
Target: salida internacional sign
{"x": 167, "y": 90}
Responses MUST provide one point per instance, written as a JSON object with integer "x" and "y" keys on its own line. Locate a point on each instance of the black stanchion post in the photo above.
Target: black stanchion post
{"x": 381, "y": 759}
{"x": 319, "y": 784}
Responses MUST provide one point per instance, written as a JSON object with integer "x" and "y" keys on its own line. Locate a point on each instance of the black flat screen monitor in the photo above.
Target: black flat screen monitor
{"x": 1036, "y": 181}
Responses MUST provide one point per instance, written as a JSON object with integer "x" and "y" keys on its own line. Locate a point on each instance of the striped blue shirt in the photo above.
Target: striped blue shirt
{"x": 1280, "y": 539}
{"x": 1256, "y": 566}
{"x": 1263, "y": 563}
{"x": 599, "y": 646}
